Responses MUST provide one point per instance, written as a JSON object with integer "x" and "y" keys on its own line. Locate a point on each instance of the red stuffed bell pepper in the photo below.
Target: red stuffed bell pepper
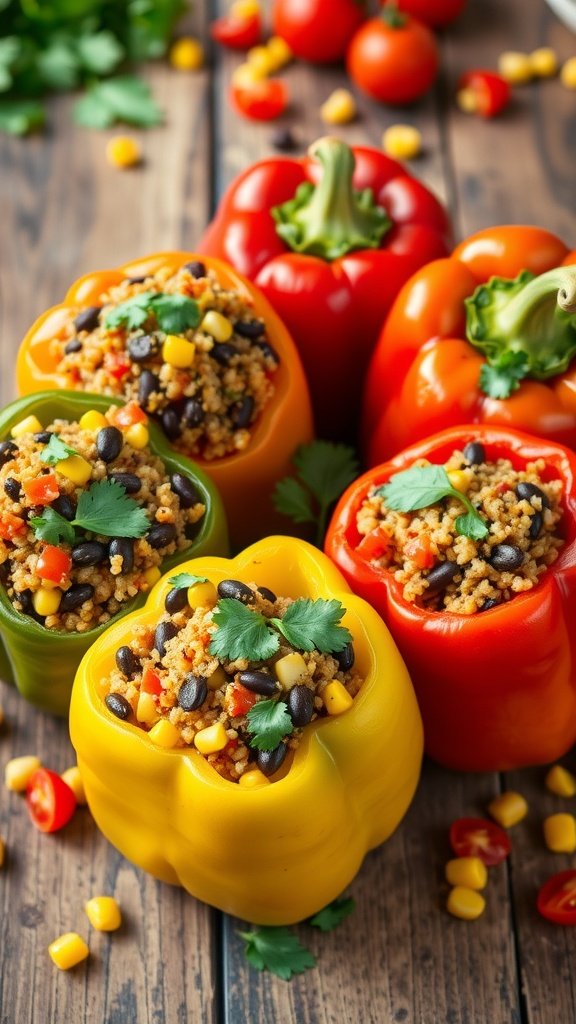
{"x": 330, "y": 240}
{"x": 496, "y": 681}
{"x": 485, "y": 336}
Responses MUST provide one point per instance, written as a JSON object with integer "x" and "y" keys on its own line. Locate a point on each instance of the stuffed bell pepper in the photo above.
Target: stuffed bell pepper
{"x": 486, "y": 336}
{"x": 92, "y": 511}
{"x": 466, "y": 545}
{"x": 263, "y": 724}
{"x": 330, "y": 240}
{"x": 192, "y": 345}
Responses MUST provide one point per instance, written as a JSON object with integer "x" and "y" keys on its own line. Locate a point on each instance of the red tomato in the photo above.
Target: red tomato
{"x": 116, "y": 364}
{"x": 53, "y": 564}
{"x": 393, "y": 58}
{"x": 435, "y": 13}
{"x": 317, "y": 30}
{"x": 237, "y": 33}
{"x": 10, "y": 525}
{"x": 128, "y": 415}
{"x": 483, "y": 92}
{"x": 239, "y": 700}
{"x": 260, "y": 101}
{"x": 151, "y": 682}
{"x": 557, "y": 898}
{"x": 476, "y": 837}
{"x": 374, "y": 544}
{"x": 419, "y": 550}
{"x": 42, "y": 490}
{"x": 50, "y": 800}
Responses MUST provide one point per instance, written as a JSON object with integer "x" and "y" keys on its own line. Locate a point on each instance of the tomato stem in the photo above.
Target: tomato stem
{"x": 392, "y": 17}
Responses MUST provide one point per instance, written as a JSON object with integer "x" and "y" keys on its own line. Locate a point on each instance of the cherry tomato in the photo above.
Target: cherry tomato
{"x": 151, "y": 682}
{"x": 393, "y": 58}
{"x": 420, "y": 551}
{"x": 557, "y": 898}
{"x": 483, "y": 92}
{"x": 236, "y": 32}
{"x": 435, "y": 13}
{"x": 10, "y": 525}
{"x": 50, "y": 800}
{"x": 476, "y": 837}
{"x": 42, "y": 490}
{"x": 239, "y": 700}
{"x": 260, "y": 101}
{"x": 317, "y": 30}
{"x": 53, "y": 564}
{"x": 128, "y": 415}
{"x": 374, "y": 544}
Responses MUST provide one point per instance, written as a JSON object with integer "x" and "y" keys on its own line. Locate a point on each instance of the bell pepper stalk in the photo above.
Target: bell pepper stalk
{"x": 42, "y": 662}
{"x": 485, "y": 336}
{"x": 330, "y": 239}
{"x": 278, "y": 853}
{"x": 285, "y": 423}
{"x": 497, "y": 689}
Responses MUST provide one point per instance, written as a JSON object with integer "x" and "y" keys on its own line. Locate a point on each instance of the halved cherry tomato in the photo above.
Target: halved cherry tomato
{"x": 116, "y": 364}
{"x": 151, "y": 682}
{"x": 53, "y": 564}
{"x": 128, "y": 415}
{"x": 374, "y": 544}
{"x": 42, "y": 490}
{"x": 239, "y": 700}
{"x": 476, "y": 837}
{"x": 237, "y": 32}
{"x": 483, "y": 92}
{"x": 51, "y": 801}
{"x": 260, "y": 100}
{"x": 10, "y": 525}
{"x": 420, "y": 551}
{"x": 557, "y": 898}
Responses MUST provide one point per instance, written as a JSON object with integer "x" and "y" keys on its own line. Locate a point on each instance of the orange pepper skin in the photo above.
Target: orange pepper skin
{"x": 497, "y": 690}
{"x": 286, "y": 422}
{"x": 424, "y": 374}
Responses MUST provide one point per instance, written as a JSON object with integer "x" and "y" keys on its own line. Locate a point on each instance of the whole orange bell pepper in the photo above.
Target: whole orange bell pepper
{"x": 485, "y": 336}
{"x": 246, "y": 478}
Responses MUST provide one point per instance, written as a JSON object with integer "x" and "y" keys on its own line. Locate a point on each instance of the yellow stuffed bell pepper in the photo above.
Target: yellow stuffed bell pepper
{"x": 280, "y": 851}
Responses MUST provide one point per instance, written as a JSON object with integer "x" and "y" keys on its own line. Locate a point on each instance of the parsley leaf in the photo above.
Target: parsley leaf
{"x": 501, "y": 378}
{"x": 276, "y": 950}
{"x": 421, "y": 486}
{"x": 471, "y": 525}
{"x": 293, "y": 500}
{"x": 105, "y": 508}
{"x": 132, "y": 313}
{"x": 324, "y": 470}
{"x": 270, "y": 722}
{"x": 125, "y": 98}
{"x": 18, "y": 117}
{"x": 314, "y": 625}
{"x": 56, "y": 451}
{"x": 331, "y": 916}
{"x": 186, "y": 579}
{"x": 53, "y": 528}
{"x": 100, "y": 53}
{"x": 174, "y": 313}
{"x": 241, "y": 633}
{"x": 58, "y": 65}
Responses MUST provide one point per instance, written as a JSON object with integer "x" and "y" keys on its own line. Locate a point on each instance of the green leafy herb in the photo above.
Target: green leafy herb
{"x": 186, "y": 579}
{"x": 324, "y": 470}
{"x": 421, "y": 486}
{"x": 501, "y": 378}
{"x": 269, "y": 721}
{"x": 9, "y": 53}
{"x": 56, "y": 451}
{"x": 53, "y": 528}
{"x": 125, "y": 98}
{"x": 308, "y": 625}
{"x": 242, "y": 633}
{"x": 100, "y": 53}
{"x": 19, "y": 117}
{"x": 104, "y": 509}
{"x": 314, "y": 625}
{"x": 276, "y": 950}
{"x": 59, "y": 65}
{"x": 333, "y": 915}
{"x": 174, "y": 313}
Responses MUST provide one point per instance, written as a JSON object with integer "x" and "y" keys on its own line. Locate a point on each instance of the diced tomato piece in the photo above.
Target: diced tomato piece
{"x": 261, "y": 100}
{"x": 54, "y": 564}
{"x": 236, "y": 32}
{"x": 51, "y": 801}
{"x": 129, "y": 414}
{"x": 420, "y": 551}
{"x": 476, "y": 837}
{"x": 239, "y": 700}
{"x": 151, "y": 682}
{"x": 10, "y": 525}
{"x": 374, "y": 545}
{"x": 116, "y": 364}
{"x": 42, "y": 490}
{"x": 557, "y": 898}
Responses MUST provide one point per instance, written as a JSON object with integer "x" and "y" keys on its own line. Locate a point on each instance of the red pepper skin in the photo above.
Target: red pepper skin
{"x": 497, "y": 690}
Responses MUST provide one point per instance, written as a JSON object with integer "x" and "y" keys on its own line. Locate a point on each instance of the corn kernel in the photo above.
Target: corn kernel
{"x": 202, "y": 595}
{"x": 544, "y": 62}
{"x": 560, "y": 781}
{"x": 217, "y": 679}
{"x": 123, "y": 151}
{"x": 186, "y": 54}
{"x": 164, "y": 734}
{"x": 68, "y": 950}
{"x": 279, "y": 52}
{"x": 178, "y": 352}
{"x": 567, "y": 77}
{"x": 246, "y": 75}
{"x": 560, "y": 833}
{"x": 253, "y": 779}
{"x": 76, "y": 469}
{"x": 467, "y": 100}
{"x": 290, "y": 669}
{"x": 515, "y": 67}
{"x": 152, "y": 575}
{"x": 260, "y": 58}
{"x": 46, "y": 600}
{"x": 146, "y": 710}
{"x": 465, "y": 903}
{"x": 29, "y": 425}
{"x": 18, "y": 771}
{"x": 137, "y": 435}
{"x": 339, "y": 108}
{"x": 245, "y": 9}
{"x": 336, "y": 698}
{"x": 508, "y": 809}
{"x": 212, "y": 739}
{"x": 469, "y": 872}
{"x": 103, "y": 913}
{"x": 459, "y": 480}
{"x": 402, "y": 142}
{"x": 93, "y": 421}
{"x": 73, "y": 779}
{"x": 217, "y": 325}
{"x": 3, "y": 851}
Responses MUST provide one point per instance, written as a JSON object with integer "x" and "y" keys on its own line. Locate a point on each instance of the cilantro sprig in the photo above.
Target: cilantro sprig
{"x": 324, "y": 470}
{"x": 56, "y": 451}
{"x": 308, "y": 625}
{"x": 103, "y": 509}
{"x": 331, "y": 916}
{"x": 269, "y": 722}
{"x": 183, "y": 580}
{"x": 503, "y": 376}
{"x": 173, "y": 313}
{"x": 421, "y": 486}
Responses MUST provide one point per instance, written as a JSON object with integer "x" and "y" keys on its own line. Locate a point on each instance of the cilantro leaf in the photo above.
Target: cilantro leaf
{"x": 241, "y": 633}
{"x": 100, "y": 52}
{"x": 56, "y": 451}
{"x": 270, "y": 722}
{"x": 471, "y": 525}
{"x": 175, "y": 313}
{"x": 501, "y": 378}
{"x": 105, "y": 508}
{"x": 125, "y": 98}
{"x": 18, "y": 117}
{"x": 421, "y": 486}
{"x": 186, "y": 579}
{"x": 53, "y": 528}
{"x": 314, "y": 625}
{"x": 331, "y": 916}
{"x": 90, "y": 113}
{"x": 58, "y": 65}
{"x": 9, "y": 53}
{"x": 132, "y": 313}
{"x": 293, "y": 500}
{"x": 276, "y": 950}
{"x": 323, "y": 469}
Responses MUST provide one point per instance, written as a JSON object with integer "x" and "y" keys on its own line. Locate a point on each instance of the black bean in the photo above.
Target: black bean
{"x": 525, "y": 491}
{"x": 74, "y": 345}
{"x": 161, "y": 535}
{"x": 283, "y": 140}
{"x": 236, "y": 590}
{"x": 76, "y": 596}
{"x": 193, "y": 413}
{"x": 249, "y": 328}
{"x": 474, "y": 453}
{"x": 536, "y": 524}
{"x": 345, "y": 658}
{"x": 267, "y": 594}
{"x": 89, "y": 552}
{"x": 88, "y": 319}
{"x": 12, "y": 488}
{"x": 127, "y": 661}
{"x": 195, "y": 268}
{"x": 192, "y": 693}
{"x": 506, "y": 557}
{"x": 8, "y": 451}
{"x": 170, "y": 421}
{"x": 242, "y": 412}
{"x": 176, "y": 600}
{"x": 141, "y": 348}
{"x": 185, "y": 490}
{"x": 129, "y": 481}
{"x": 300, "y": 705}
{"x": 147, "y": 385}
{"x": 165, "y": 631}
{"x": 43, "y": 437}
{"x": 123, "y": 546}
{"x": 223, "y": 353}
{"x": 259, "y": 682}
{"x": 109, "y": 443}
{"x": 65, "y": 507}
{"x": 191, "y": 530}
{"x": 440, "y": 576}
{"x": 490, "y": 602}
{"x": 269, "y": 761}
{"x": 118, "y": 705}
{"x": 268, "y": 352}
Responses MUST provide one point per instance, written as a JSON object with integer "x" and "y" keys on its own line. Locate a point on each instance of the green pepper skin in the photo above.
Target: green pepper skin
{"x": 42, "y": 663}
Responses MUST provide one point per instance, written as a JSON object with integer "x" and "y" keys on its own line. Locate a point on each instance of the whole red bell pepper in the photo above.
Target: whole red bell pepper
{"x": 486, "y": 336}
{"x": 497, "y": 689}
{"x": 330, "y": 239}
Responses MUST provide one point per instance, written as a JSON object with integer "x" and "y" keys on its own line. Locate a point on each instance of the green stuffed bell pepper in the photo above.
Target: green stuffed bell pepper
{"x": 94, "y": 506}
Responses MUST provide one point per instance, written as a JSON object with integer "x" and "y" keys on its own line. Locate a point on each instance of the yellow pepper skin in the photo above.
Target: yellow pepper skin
{"x": 269, "y": 854}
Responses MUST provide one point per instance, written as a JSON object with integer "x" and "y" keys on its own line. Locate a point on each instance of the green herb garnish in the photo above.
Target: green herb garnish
{"x": 103, "y": 509}
{"x": 324, "y": 470}
{"x": 56, "y": 451}
{"x": 421, "y": 486}
{"x": 174, "y": 313}
{"x": 501, "y": 378}
{"x": 125, "y": 98}
{"x": 331, "y": 916}
{"x": 53, "y": 528}
{"x": 276, "y": 950}
{"x": 269, "y": 722}
{"x": 186, "y": 579}
{"x": 308, "y": 625}
{"x": 314, "y": 625}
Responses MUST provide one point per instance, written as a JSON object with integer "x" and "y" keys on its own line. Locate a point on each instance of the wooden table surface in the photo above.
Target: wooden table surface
{"x": 400, "y": 957}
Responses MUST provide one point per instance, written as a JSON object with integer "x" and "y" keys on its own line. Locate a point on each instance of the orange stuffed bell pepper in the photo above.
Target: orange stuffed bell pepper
{"x": 197, "y": 348}
{"x": 256, "y": 771}
{"x": 486, "y": 336}
{"x": 466, "y": 545}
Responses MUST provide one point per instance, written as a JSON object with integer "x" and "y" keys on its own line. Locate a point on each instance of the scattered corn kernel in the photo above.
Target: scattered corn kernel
{"x": 259, "y": 57}
{"x": 164, "y": 734}
{"x": 68, "y": 950}
{"x": 336, "y": 698}
{"x": 146, "y": 710}
{"x": 202, "y": 595}
{"x": 152, "y": 575}
{"x": 93, "y": 421}
{"x": 245, "y": 9}
{"x": 402, "y": 142}
{"x": 560, "y": 781}
{"x": 508, "y": 809}
{"x": 459, "y": 480}
{"x": 567, "y": 77}
{"x": 465, "y": 903}
{"x": 290, "y": 669}
{"x": 123, "y": 151}
{"x": 212, "y": 739}
{"x": 103, "y": 913}
{"x": 186, "y": 54}
{"x": 137, "y": 435}
{"x": 253, "y": 779}
{"x": 217, "y": 679}
{"x": 178, "y": 351}
{"x": 76, "y": 469}
{"x": 544, "y": 62}
{"x": 467, "y": 100}
{"x": 217, "y": 325}
{"x": 515, "y": 67}
{"x": 560, "y": 833}
{"x": 339, "y": 108}
{"x": 3, "y": 848}
{"x": 279, "y": 52}
{"x": 18, "y": 771}
{"x": 46, "y": 600}
{"x": 246, "y": 74}
{"x": 73, "y": 778}
{"x": 29, "y": 425}
{"x": 468, "y": 872}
